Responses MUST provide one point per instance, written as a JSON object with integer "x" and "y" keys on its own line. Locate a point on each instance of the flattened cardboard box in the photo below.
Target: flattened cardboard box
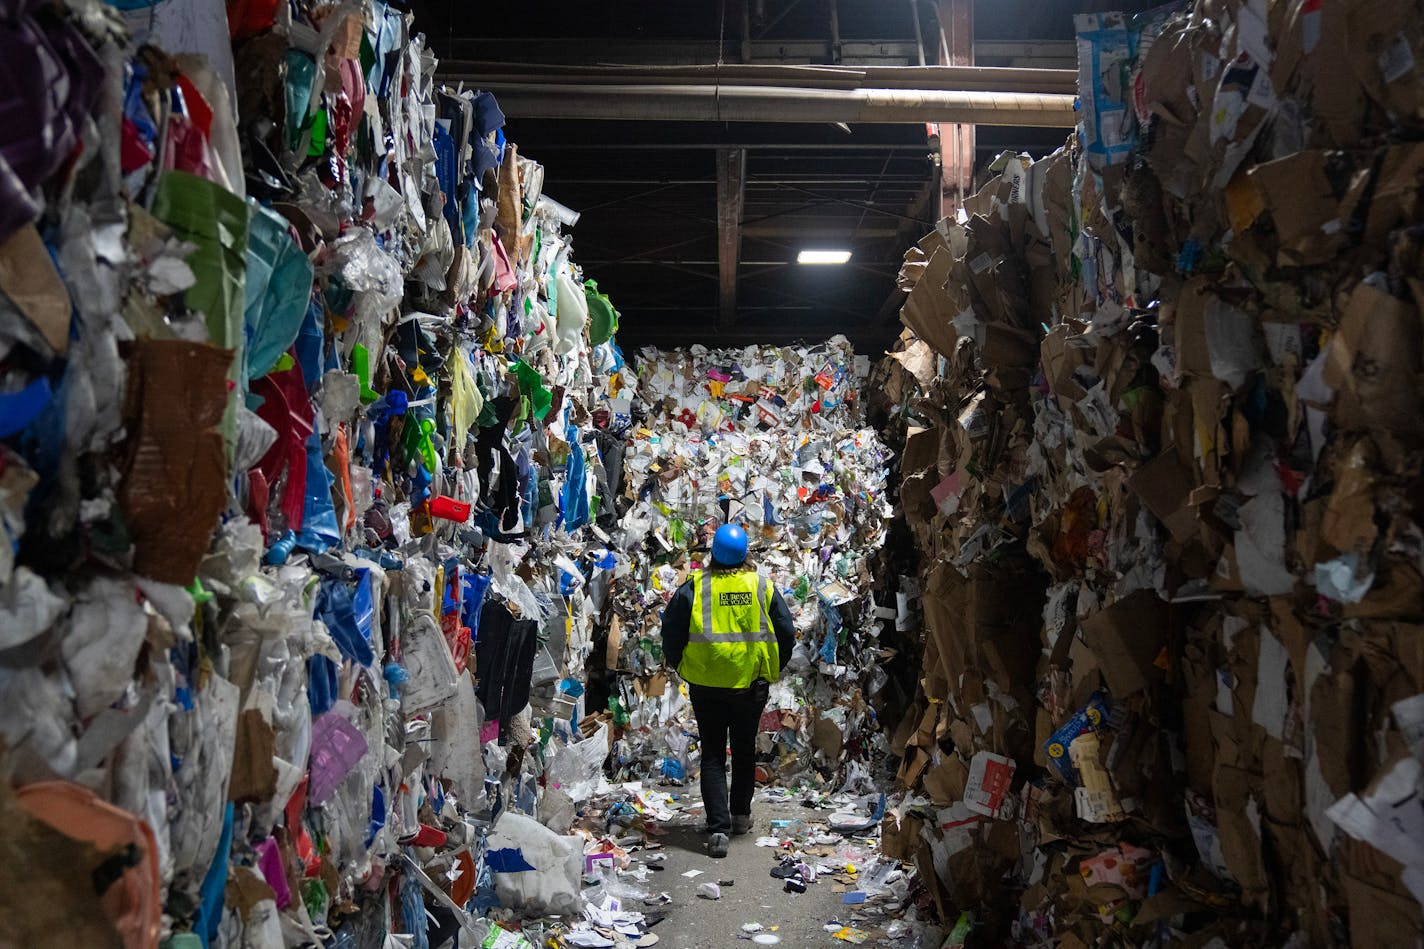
{"x": 1127, "y": 638}
{"x": 1374, "y": 363}
{"x": 175, "y": 480}
{"x": 927, "y": 310}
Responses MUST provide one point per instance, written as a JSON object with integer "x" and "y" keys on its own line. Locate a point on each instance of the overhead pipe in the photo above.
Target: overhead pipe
{"x": 723, "y": 103}
{"x": 940, "y": 78}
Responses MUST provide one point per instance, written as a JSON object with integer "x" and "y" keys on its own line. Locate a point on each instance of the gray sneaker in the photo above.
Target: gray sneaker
{"x": 717, "y": 845}
{"x": 741, "y": 824}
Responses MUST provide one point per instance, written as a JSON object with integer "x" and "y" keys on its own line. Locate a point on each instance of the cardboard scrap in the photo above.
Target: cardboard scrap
{"x": 28, "y": 278}
{"x": 175, "y": 481}
{"x": 926, "y": 310}
{"x": 254, "y": 778}
{"x": 828, "y": 738}
{"x": 1374, "y": 363}
{"x": 1127, "y": 638}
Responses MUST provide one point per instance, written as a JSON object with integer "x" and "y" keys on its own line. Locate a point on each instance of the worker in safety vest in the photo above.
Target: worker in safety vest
{"x": 727, "y": 631}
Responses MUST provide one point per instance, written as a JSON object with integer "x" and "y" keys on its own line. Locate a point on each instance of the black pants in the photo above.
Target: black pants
{"x": 504, "y": 662}
{"x": 724, "y": 714}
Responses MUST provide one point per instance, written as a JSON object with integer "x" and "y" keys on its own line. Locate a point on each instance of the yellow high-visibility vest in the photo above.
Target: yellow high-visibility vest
{"x": 731, "y": 642}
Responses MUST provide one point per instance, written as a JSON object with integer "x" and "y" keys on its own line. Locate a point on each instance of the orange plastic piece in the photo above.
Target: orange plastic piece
{"x": 132, "y": 902}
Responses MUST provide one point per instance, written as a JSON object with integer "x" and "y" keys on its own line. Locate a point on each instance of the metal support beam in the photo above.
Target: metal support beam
{"x": 956, "y": 140}
{"x": 919, "y": 35}
{"x": 1037, "y": 54}
{"x": 731, "y": 196}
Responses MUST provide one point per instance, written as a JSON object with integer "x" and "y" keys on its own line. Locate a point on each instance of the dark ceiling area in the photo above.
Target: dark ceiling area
{"x": 693, "y": 227}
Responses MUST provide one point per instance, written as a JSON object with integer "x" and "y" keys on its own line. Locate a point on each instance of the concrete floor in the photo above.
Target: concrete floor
{"x": 754, "y": 895}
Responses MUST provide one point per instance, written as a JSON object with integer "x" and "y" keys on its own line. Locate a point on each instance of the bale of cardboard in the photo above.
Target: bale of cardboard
{"x": 1158, "y": 408}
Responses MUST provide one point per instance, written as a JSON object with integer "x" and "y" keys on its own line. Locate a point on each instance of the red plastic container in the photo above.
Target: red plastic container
{"x": 450, "y": 509}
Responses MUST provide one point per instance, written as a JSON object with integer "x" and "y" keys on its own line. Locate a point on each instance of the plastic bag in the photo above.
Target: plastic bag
{"x": 571, "y": 312}
{"x": 577, "y": 769}
{"x": 455, "y": 753}
{"x": 550, "y": 866}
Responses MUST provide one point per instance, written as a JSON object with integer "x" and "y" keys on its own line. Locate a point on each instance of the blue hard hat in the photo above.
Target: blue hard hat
{"x": 729, "y": 546}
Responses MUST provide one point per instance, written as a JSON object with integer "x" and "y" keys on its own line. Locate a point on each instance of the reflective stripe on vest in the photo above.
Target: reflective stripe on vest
{"x": 709, "y": 633}
{"x": 731, "y": 643}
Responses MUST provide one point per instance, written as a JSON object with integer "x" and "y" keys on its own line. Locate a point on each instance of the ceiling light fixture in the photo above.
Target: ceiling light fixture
{"x": 823, "y": 257}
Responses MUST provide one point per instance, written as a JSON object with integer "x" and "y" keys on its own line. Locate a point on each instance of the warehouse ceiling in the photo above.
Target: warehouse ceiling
{"x": 651, "y": 192}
